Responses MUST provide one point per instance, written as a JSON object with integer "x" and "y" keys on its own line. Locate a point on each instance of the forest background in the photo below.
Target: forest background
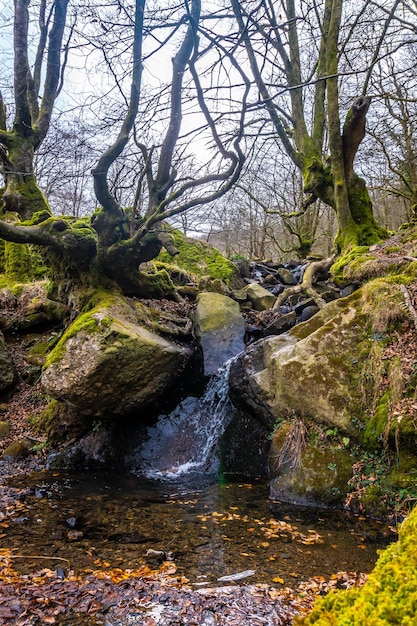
{"x": 233, "y": 130}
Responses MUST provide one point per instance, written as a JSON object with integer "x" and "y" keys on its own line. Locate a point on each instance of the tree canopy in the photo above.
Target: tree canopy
{"x": 178, "y": 98}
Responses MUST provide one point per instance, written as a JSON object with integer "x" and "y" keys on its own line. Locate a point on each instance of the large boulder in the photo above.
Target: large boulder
{"x": 336, "y": 373}
{"x": 307, "y": 473}
{"x": 221, "y": 329}
{"x": 107, "y": 364}
{"x": 313, "y": 370}
{"x": 6, "y": 366}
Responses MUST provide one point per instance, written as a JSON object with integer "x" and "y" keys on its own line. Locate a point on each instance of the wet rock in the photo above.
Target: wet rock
{"x": 220, "y": 327}
{"x": 156, "y": 557}
{"x": 261, "y": 298}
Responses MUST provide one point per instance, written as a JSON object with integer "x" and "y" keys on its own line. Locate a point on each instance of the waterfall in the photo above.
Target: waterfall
{"x": 185, "y": 440}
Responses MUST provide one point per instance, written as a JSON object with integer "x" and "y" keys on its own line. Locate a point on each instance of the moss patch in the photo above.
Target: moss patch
{"x": 388, "y": 597}
{"x": 199, "y": 259}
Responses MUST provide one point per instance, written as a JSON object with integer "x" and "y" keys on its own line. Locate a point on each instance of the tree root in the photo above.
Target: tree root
{"x": 310, "y": 276}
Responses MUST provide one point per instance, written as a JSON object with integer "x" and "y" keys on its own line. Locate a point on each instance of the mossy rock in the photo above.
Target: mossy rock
{"x": 261, "y": 298}
{"x": 317, "y": 375}
{"x": 61, "y": 423}
{"x": 314, "y": 475}
{"x": 220, "y": 328}
{"x": 27, "y": 306}
{"x": 199, "y": 259}
{"x": 388, "y": 597}
{"x": 17, "y": 450}
{"x": 107, "y": 364}
{"x": 7, "y": 374}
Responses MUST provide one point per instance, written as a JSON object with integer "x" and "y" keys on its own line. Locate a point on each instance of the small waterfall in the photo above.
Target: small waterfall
{"x": 185, "y": 441}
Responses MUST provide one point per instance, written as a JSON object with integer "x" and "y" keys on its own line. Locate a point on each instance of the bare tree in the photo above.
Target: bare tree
{"x": 114, "y": 244}
{"x": 301, "y": 55}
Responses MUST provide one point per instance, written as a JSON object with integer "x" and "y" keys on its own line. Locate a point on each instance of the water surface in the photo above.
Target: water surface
{"x": 104, "y": 521}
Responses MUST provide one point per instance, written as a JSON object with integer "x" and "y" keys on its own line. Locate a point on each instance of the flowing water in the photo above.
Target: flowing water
{"x": 104, "y": 521}
{"x": 184, "y": 442}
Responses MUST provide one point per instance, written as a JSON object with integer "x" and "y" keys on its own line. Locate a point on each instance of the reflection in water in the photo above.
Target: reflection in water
{"x": 212, "y": 531}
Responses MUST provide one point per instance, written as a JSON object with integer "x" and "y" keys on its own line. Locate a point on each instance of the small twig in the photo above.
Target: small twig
{"x": 51, "y": 558}
{"x": 410, "y": 258}
{"x": 409, "y": 304}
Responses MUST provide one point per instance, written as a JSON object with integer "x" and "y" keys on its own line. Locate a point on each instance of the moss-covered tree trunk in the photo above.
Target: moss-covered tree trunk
{"x": 328, "y": 178}
{"x": 21, "y": 193}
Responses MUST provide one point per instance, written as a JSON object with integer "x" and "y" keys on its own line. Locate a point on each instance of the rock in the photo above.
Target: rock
{"x": 74, "y": 535}
{"x": 320, "y": 478}
{"x": 4, "y": 429}
{"x": 216, "y": 285}
{"x": 31, "y": 308}
{"x": 17, "y": 450}
{"x": 221, "y": 329}
{"x": 240, "y": 295}
{"x": 156, "y": 557}
{"x": 107, "y": 365}
{"x": 281, "y": 324}
{"x": 261, "y": 298}
{"x": 286, "y": 276}
{"x": 7, "y": 374}
{"x": 308, "y": 312}
{"x": 313, "y": 370}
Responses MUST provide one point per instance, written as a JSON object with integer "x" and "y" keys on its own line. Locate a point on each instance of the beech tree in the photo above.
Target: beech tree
{"x": 306, "y": 58}
{"x": 113, "y": 245}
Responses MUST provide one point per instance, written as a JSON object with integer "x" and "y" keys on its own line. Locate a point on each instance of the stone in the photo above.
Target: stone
{"x": 261, "y": 298}
{"x": 7, "y": 374}
{"x": 308, "y": 312}
{"x": 4, "y": 429}
{"x": 312, "y": 370}
{"x": 106, "y": 365}
{"x": 286, "y": 276}
{"x": 17, "y": 450}
{"x": 220, "y": 327}
{"x": 319, "y": 479}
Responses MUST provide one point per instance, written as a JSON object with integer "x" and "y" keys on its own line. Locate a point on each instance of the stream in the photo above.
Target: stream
{"x": 95, "y": 520}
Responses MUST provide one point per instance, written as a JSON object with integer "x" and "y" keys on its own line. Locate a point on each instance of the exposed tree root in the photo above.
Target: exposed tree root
{"x": 307, "y": 286}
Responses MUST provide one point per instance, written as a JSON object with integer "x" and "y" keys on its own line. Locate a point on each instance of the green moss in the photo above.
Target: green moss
{"x": 388, "y": 597}
{"x": 345, "y": 265}
{"x": 18, "y": 262}
{"x": 157, "y": 284}
{"x": 199, "y": 258}
{"x": 2, "y": 256}
{"x": 85, "y": 322}
{"x": 60, "y": 423}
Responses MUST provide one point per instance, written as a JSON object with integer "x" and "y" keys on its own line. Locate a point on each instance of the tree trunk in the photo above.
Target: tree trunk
{"x": 21, "y": 193}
